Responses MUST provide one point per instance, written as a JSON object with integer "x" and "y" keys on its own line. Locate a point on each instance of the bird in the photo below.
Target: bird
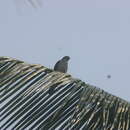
{"x": 62, "y": 65}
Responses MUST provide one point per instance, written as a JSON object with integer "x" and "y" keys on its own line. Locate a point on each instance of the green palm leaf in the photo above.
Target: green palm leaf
{"x": 27, "y": 104}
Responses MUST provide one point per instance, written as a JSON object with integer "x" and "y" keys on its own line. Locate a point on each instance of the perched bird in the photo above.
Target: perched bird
{"x": 62, "y": 65}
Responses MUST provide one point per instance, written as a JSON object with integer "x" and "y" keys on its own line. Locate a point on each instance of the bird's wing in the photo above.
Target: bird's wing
{"x": 57, "y": 65}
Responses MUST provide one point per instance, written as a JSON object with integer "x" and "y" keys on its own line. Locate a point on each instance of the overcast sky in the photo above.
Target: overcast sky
{"x": 94, "y": 33}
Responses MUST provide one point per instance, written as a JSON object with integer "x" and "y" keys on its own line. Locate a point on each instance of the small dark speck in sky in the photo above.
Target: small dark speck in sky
{"x": 108, "y": 76}
{"x": 60, "y": 49}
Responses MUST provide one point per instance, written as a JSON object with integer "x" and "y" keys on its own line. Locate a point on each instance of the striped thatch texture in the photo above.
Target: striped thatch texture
{"x": 35, "y": 97}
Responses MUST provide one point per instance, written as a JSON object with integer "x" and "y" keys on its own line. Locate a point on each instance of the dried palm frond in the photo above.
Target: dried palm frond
{"x": 33, "y": 3}
{"x": 73, "y": 105}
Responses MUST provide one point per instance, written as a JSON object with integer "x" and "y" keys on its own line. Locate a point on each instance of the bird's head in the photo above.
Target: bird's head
{"x": 66, "y": 58}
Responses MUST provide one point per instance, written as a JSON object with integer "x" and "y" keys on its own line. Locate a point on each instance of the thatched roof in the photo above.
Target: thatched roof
{"x": 35, "y": 97}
